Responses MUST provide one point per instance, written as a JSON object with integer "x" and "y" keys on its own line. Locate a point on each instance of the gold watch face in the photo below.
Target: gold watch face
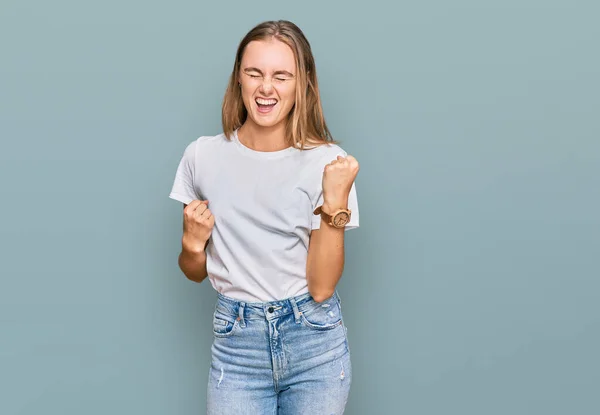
{"x": 341, "y": 219}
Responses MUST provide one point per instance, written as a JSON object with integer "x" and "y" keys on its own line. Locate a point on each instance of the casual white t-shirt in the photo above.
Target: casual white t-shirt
{"x": 263, "y": 205}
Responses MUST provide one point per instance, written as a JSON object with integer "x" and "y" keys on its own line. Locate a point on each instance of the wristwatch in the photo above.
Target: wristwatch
{"x": 337, "y": 219}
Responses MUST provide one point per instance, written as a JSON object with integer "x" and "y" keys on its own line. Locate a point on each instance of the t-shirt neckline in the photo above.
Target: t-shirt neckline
{"x": 261, "y": 154}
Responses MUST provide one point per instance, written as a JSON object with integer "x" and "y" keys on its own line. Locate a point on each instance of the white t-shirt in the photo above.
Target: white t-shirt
{"x": 263, "y": 205}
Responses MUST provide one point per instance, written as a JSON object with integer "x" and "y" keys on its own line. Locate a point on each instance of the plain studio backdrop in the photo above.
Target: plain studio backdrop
{"x": 472, "y": 286}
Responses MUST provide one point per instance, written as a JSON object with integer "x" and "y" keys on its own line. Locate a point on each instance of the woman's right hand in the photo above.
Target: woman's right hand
{"x": 198, "y": 223}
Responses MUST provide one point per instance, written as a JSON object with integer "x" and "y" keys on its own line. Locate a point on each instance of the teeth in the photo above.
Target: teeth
{"x": 266, "y": 101}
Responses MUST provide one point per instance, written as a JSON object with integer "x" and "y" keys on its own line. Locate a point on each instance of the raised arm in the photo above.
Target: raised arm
{"x": 325, "y": 262}
{"x": 198, "y": 223}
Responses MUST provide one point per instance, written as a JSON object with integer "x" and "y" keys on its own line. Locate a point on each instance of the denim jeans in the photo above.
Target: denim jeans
{"x": 283, "y": 357}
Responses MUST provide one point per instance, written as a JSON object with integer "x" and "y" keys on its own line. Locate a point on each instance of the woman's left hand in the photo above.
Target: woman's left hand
{"x": 338, "y": 177}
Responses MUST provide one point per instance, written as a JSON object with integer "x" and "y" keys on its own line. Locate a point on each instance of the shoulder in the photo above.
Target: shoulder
{"x": 207, "y": 140}
{"x": 203, "y": 143}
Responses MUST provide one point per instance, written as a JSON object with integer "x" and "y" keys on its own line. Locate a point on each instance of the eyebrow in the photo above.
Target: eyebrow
{"x": 281, "y": 72}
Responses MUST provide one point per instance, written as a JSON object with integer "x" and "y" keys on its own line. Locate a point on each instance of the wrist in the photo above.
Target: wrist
{"x": 329, "y": 206}
{"x": 192, "y": 245}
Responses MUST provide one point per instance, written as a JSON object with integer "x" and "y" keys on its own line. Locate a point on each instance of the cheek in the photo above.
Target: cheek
{"x": 246, "y": 96}
{"x": 290, "y": 97}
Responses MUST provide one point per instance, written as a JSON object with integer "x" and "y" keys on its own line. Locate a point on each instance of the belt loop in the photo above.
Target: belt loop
{"x": 295, "y": 308}
{"x": 241, "y": 314}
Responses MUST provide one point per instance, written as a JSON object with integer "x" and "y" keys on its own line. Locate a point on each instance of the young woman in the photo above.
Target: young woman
{"x": 266, "y": 204}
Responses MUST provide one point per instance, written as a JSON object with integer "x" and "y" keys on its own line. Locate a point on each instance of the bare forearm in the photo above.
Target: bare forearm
{"x": 193, "y": 264}
{"x": 326, "y": 262}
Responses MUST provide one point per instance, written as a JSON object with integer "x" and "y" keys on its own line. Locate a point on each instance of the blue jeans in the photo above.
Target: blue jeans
{"x": 283, "y": 357}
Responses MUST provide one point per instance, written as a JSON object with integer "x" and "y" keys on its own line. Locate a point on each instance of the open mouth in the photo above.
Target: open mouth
{"x": 265, "y": 105}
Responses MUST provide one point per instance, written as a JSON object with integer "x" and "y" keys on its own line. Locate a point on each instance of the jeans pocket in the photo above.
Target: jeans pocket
{"x": 323, "y": 316}
{"x": 223, "y": 325}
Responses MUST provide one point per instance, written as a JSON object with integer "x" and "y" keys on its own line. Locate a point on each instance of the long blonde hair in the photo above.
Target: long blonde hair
{"x": 306, "y": 122}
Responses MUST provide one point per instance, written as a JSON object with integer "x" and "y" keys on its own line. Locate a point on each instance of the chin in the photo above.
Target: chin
{"x": 267, "y": 124}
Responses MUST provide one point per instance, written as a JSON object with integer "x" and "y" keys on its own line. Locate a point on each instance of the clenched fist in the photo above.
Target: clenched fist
{"x": 198, "y": 223}
{"x": 338, "y": 177}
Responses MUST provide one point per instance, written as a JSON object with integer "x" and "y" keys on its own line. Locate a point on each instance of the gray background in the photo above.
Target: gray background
{"x": 471, "y": 286}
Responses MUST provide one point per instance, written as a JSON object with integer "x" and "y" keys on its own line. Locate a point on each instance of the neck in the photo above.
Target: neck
{"x": 263, "y": 138}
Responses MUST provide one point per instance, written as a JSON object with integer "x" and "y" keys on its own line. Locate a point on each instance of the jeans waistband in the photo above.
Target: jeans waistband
{"x": 273, "y": 309}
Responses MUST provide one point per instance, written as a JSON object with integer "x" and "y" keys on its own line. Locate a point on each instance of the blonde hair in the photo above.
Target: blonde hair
{"x": 306, "y": 122}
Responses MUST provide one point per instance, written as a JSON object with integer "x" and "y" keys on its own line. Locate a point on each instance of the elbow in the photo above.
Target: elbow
{"x": 322, "y": 283}
{"x": 320, "y": 296}
{"x": 192, "y": 272}
{"x": 321, "y": 290}
{"x": 198, "y": 277}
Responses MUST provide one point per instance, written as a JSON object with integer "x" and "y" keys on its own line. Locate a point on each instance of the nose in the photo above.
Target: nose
{"x": 266, "y": 86}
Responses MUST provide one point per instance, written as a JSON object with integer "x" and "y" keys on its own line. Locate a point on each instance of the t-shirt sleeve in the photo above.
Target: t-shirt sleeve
{"x": 183, "y": 187}
{"x": 352, "y": 205}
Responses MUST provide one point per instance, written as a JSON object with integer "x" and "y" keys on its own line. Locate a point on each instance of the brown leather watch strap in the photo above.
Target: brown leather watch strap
{"x": 329, "y": 218}
{"x": 319, "y": 211}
